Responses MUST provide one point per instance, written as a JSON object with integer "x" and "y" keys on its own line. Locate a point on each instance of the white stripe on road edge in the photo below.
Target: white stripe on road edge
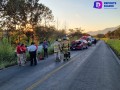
{"x": 49, "y": 75}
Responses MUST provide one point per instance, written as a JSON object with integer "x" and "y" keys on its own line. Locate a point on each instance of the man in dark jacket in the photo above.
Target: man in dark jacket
{"x": 45, "y": 48}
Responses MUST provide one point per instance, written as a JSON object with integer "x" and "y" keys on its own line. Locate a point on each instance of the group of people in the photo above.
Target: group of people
{"x": 33, "y": 49}
{"x": 60, "y": 47}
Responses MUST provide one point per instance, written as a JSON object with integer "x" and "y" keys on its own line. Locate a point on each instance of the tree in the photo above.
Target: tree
{"x": 100, "y": 35}
{"x": 44, "y": 32}
{"x": 108, "y": 35}
{"x": 77, "y": 32}
{"x": 23, "y": 12}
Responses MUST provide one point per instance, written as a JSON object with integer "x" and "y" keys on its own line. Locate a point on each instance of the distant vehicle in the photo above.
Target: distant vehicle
{"x": 90, "y": 41}
{"x": 94, "y": 41}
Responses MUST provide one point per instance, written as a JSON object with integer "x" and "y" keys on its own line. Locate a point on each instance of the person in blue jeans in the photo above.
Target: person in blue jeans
{"x": 45, "y": 48}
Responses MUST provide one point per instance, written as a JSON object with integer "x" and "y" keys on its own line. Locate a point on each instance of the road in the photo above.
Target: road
{"x": 96, "y": 68}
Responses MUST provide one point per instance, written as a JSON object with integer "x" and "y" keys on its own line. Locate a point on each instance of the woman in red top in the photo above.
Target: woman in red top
{"x": 19, "y": 54}
{"x": 23, "y": 52}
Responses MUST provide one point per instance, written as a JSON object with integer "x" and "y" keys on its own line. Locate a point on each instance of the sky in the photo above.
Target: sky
{"x": 81, "y": 14}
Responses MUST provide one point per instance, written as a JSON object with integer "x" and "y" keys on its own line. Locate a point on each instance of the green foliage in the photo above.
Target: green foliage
{"x": 20, "y": 13}
{"x": 43, "y": 33}
{"x": 100, "y": 36}
{"x": 51, "y": 49}
{"x": 7, "y": 54}
{"x": 113, "y": 34}
{"x": 105, "y": 39}
{"x": 114, "y": 44}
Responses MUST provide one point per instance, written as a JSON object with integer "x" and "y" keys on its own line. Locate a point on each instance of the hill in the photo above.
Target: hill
{"x": 104, "y": 31}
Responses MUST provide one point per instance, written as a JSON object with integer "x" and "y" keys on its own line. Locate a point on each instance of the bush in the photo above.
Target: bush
{"x": 51, "y": 49}
{"x": 7, "y": 54}
{"x": 115, "y": 44}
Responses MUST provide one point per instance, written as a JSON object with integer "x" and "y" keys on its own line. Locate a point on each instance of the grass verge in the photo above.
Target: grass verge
{"x": 114, "y": 44}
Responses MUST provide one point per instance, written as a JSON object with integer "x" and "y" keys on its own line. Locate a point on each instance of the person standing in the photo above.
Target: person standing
{"x": 65, "y": 47}
{"x": 24, "y": 49}
{"x": 45, "y": 48}
{"x": 57, "y": 49}
{"x": 32, "y": 51}
{"x": 19, "y": 54}
{"x": 61, "y": 55}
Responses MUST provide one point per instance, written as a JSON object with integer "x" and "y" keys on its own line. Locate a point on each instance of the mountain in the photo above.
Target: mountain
{"x": 103, "y": 31}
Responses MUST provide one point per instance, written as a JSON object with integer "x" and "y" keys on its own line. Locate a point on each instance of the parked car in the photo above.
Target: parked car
{"x": 85, "y": 43}
{"x": 89, "y": 41}
{"x": 76, "y": 45}
{"x": 94, "y": 41}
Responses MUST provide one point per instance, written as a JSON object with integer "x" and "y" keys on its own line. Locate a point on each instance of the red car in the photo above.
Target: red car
{"x": 77, "y": 45}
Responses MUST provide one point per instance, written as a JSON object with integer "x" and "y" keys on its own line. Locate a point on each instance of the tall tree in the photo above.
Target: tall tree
{"x": 77, "y": 32}
{"x": 23, "y": 12}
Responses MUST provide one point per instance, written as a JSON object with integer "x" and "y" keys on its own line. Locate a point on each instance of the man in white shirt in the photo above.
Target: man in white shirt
{"x": 32, "y": 50}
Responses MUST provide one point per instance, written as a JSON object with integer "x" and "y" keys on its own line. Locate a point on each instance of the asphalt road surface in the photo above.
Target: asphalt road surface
{"x": 96, "y": 68}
